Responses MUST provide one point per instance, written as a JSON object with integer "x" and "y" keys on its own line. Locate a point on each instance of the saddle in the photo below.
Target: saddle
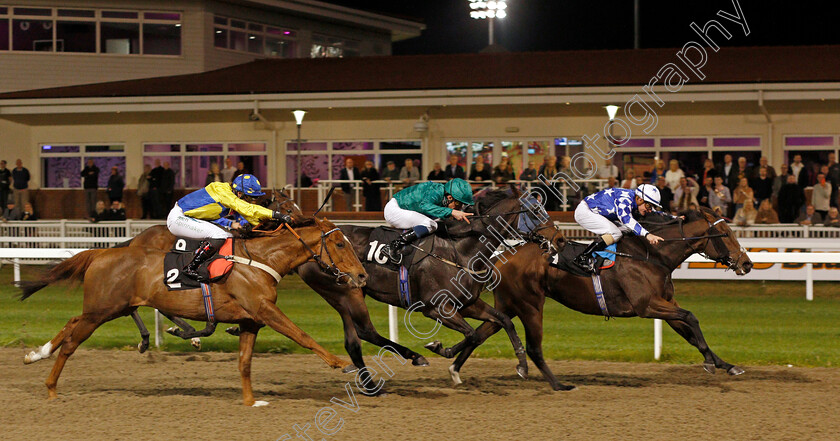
{"x": 564, "y": 259}
{"x": 214, "y": 269}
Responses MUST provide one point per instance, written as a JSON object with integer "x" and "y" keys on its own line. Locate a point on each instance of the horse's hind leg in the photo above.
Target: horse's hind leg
{"x": 51, "y": 346}
{"x": 86, "y": 324}
{"x": 482, "y": 311}
{"x": 483, "y": 332}
{"x": 144, "y": 333}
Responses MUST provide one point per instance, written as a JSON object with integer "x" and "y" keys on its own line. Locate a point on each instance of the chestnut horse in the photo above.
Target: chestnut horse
{"x": 119, "y": 280}
{"x": 638, "y": 285}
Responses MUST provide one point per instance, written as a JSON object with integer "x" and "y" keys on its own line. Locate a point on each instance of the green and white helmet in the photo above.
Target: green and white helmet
{"x": 460, "y": 190}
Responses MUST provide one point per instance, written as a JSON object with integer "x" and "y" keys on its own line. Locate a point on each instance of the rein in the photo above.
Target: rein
{"x": 331, "y": 268}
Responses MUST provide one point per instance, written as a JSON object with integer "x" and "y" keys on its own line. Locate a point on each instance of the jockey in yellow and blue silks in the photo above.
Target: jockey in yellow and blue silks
{"x": 414, "y": 207}
{"x": 202, "y": 215}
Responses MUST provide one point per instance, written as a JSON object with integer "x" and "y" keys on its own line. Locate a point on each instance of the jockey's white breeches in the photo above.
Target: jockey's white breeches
{"x": 406, "y": 219}
{"x": 595, "y": 222}
{"x": 182, "y": 225}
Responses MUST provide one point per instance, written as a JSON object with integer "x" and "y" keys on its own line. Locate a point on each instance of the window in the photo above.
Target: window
{"x": 192, "y": 161}
{"x": 814, "y": 150}
{"x": 75, "y": 30}
{"x": 324, "y": 160}
{"x": 61, "y": 165}
{"x": 331, "y": 47}
{"x": 260, "y": 39}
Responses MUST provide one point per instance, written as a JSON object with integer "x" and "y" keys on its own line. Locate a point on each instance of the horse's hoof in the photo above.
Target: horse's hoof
{"x": 28, "y": 358}
{"x": 420, "y": 361}
{"x": 708, "y": 367}
{"x": 196, "y": 343}
{"x": 233, "y": 330}
{"x": 735, "y": 370}
{"x": 455, "y": 375}
{"x": 434, "y": 346}
{"x": 142, "y": 346}
{"x": 564, "y": 387}
{"x": 350, "y": 368}
{"x": 259, "y": 404}
{"x": 522, "y": 371}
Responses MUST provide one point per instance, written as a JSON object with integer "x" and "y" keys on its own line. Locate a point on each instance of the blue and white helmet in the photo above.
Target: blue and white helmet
{"x": 649, "y": 193}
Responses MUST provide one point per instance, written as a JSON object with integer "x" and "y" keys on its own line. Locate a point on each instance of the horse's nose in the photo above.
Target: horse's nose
{"x": 747, "y": 266}
{"x": 361, "y": 278}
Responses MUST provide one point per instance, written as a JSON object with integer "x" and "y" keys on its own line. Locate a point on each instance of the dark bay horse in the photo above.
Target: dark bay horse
{"x": 119, "y": 280}
{"x": 638, "y": 286}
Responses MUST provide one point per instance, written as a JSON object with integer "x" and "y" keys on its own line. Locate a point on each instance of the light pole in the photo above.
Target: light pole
{"x": 489, "y": 10}
{"x": 299, "y": 120}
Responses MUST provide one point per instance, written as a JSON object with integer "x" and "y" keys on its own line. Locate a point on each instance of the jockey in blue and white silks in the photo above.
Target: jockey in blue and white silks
{"x": 599, "y": 212}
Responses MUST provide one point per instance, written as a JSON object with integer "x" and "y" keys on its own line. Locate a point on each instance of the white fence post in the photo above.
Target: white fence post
{"x": 158, "y": 335}
{"x": 809, "y": 281}
{"x": 657, "y": 339}
{"x": 393, "y": 324}
{"x": 17, "y": 269}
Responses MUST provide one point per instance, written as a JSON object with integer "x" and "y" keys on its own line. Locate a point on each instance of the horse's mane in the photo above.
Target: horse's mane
{"x": 655, "y": 222}
{"x": 491, "y": 198}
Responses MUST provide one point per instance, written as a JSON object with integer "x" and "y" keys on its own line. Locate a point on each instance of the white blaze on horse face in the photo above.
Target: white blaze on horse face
{"x": 42, "y": 353}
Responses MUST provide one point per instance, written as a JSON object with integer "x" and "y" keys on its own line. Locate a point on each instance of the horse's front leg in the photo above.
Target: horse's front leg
{"x": 247, "y": 338}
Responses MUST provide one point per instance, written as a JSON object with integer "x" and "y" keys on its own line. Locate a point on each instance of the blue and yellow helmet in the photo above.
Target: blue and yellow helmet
{"x": 248, "y": 184}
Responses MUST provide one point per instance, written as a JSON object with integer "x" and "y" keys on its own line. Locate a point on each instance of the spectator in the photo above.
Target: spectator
{"x": 742, "y": 172}
{"x": 437, "y": 174}
{"x": 228, "y": 171}
{"x": 821, "y": 196}
{"x": 800, "y": 171}
{"x": 762, "y": 164}
{"x": 506, "y": 161}
{"x": 12, "y": 212}
{"x": 709, "y": 171}
{"x": 20, "y": 184}
{"x": 608, "y": 170}
{"x": 213, "y": 175}
{"x": 666, "y": 196}
{"x": 305, "y": 181}
{"x": 370, "y": 189}
{"x": 549, "y": 168}
{"x": 629, "y": 179}
{"x": 763, "y": 185}
{"x": 115, "y": 213}
{"x": 728, "y": 171}
{"x": 409, "y": 174}
{"x": 90, "y": 182}
{"x": 28, "y": 213}
{"x": 686, "y": 194}
{"x": 99, "y": 213}
{"x": 766, "y": 213}
{"x": 720, "y": 196}
{"x": 116, "y": 183}
{"x": 143, "y": 192}
{"x": 479, "y": 172}
{"x": 240, "y": 169}
{"x": 791, "y": 198}
{"x": 657, "y": 170}
{"x": 745, "y": 216}
{"x": 779, "y": 180}
{"x": 5, "y": 183}
{"x": 809, "y": 217}
{"x": 348, "y": 173}
{"x": 834, "y": 178}
{"x": 453, "y": 170}
{"x": 167, "y": 188}
{"x": 503, "y": 173}
{"x": 390, "y": 173}
{"x": 155, "y": 197}
{"x": 719, "y": 211}
{"x": 833, "y": 218}
{"x": 743, "y": 194}
{"x": 612, "y": 182}
{"x": 674, "y": 174}
{"x": 529, "y": 174}
{"x": 703, "y": 193}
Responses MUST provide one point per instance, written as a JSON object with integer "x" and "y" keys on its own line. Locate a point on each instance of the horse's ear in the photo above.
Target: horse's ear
{"x": 515, "y": 189}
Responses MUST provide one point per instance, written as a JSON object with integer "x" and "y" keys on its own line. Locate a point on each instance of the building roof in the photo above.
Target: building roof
{"x": 735, "y": 65}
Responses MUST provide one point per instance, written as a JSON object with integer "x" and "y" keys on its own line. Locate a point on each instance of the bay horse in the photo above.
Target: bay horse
{"x": 638, "y": 285}
{"x": 347, "y": 300}
{"x": 119, "y": 280}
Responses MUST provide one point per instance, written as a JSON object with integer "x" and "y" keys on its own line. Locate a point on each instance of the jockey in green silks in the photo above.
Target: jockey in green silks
{"x": 415, "y": 207}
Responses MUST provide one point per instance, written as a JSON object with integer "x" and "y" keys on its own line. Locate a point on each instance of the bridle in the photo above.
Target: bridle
{"x": 709, "y": 235}
{"x": 318, "y": 258}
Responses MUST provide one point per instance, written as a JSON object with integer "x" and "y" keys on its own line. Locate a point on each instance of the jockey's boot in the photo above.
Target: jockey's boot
{"x": 394, "y": 249}
{"x": 205, "y": 251}
{"x": 585, "y": 259}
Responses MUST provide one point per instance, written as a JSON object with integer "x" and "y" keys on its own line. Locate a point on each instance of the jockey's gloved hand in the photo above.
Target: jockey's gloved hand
{"x": 284, "y": 218}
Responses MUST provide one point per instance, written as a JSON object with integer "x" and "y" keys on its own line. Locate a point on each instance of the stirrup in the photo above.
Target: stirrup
{"x": 194, "y": 274}
{"x": 585, "y": 262}
{"x": 392, "y": 251}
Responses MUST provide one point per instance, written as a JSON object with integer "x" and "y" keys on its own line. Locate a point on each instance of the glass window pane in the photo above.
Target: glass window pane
{"x": 683, "y": 142}
{"x": 105, "y": 163}
{"x": 61, "y": 172}
{"x": 255, "y": 43}
{"x": 119, "y": 38}
{"x": 752, "y": 157}
{"x": 691, "y": 163}
{"x": 514, "y": 151}
{"x": 197, "y": 168}
{"x": 537, "y": 150}
{"x": 162, "y": 148}
{"x": 318, "y": 51}
{"x": 280, "y": 48}
{"x": 737, "y": 142}
{"x": 4, "y": 11}
{"x": 313, "y": 166}
{"x": 47, "y": 149}
{"x": 76, "y": 36}
{"x": 4, "y": 34}
{"x": 458, "y": 149}
{"x": 255, "y": 165}
{"x": 253, "y": 147}
{"x": 238, "y": 41}
{"x": 32, "y": 35}
{"x": 353, "y": 146}
{"x": 399, "y": 161}
{"x": 358, "y": 162}
{"x": 220, "y": 38}
{"x": 173, "y": 161}
{"x": 304, "y": 146}
{"x": 400, "y": 145}
{"x": 76, "y": 13}
{"x": 33, "y": 11}
{"x": 161, "y": 39}
{"x": 118, "y": 14}
{"x": 482, "y": 151}
{"x": 793, "y": 141}
{"x": 174, "y": 16}
{"x": 104, "y": 148}
{"x": 204, "y": 147}
{"x": 220, "y": 20}
{"x": 255, "y": 27}
{"x": 237, "y": 24}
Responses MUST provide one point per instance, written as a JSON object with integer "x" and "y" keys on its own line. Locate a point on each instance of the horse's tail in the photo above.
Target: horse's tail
{"x": 72, "y": 269}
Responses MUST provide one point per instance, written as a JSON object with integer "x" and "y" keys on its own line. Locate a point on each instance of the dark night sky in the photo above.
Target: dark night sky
{"x": 543, "y": 25}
